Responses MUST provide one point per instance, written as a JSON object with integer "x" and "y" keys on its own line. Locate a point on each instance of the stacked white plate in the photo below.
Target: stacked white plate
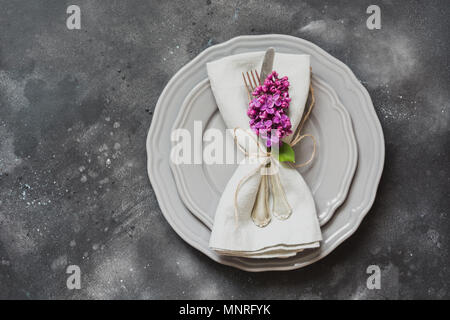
{"x": 343, "y": 177}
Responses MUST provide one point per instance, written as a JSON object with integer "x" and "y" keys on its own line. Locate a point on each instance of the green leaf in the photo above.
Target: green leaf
{"x": 286, "y": 153}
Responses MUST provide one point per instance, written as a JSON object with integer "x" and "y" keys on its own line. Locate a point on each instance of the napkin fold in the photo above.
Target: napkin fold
{"x": 241, "y": 237}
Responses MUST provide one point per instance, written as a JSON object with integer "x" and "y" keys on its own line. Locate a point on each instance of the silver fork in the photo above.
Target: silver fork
{"x": 253, "y": 82}
{"x": 260, "y": 211}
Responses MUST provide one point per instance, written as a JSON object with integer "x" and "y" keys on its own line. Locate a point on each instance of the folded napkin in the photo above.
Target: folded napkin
{"x": 241, "y": 237}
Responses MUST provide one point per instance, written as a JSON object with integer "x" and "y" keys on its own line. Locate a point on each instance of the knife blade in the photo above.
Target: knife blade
{"x": 267, "y": 64}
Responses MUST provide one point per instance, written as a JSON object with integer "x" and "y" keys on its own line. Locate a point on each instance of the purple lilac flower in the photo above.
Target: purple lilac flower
{"x": 268, "y": 109}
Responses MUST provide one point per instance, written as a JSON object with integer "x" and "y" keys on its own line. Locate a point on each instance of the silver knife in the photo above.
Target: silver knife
{"x": 267, "y": 64}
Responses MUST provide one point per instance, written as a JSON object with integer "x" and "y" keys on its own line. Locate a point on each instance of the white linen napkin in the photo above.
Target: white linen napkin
{"x": 280, "y": 238}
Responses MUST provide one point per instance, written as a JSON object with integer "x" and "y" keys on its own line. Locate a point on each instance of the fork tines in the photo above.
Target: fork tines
{"x": 253, "y": 81}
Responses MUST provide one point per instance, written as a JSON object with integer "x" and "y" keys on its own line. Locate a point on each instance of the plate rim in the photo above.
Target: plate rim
{"x": 349, "y": 136}
{"x": 375, "y": 173}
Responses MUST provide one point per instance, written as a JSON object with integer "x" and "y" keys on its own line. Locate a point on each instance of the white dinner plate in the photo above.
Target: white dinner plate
{"x": 328, "y": 176}
{"x": 367, "y": 128}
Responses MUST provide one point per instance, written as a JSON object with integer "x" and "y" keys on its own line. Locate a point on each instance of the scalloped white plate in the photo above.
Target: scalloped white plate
{"x": 329, "y": 176}
{"x": 367, "y": 128}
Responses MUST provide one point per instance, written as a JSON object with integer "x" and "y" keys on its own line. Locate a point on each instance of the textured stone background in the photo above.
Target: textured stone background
{"x": 71, "y": 100}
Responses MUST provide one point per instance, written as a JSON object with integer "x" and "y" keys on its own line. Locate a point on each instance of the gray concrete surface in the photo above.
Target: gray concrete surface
{"x": 71, "y": 100}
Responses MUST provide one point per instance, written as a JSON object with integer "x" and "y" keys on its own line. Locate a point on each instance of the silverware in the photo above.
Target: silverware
{"x": 253, "y": 78}
{"x": 267, "y": 64}
{"x": 253, "y": 81}
{"x": 260, "y": 212}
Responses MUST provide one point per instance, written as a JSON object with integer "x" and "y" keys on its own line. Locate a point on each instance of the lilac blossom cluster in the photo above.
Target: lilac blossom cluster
{"x": 268, "y": 110}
